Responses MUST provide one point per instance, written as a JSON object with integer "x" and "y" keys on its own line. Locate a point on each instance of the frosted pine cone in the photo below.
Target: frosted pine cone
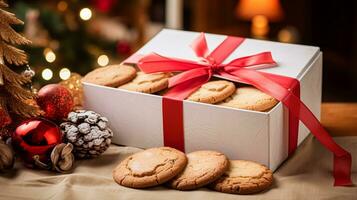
{"x": 88, "y": 132}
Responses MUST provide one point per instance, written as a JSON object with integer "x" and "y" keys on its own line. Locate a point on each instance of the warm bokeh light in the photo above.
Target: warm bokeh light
{"x": 50, "y": 56}
{"x": 62, "y": 6}
{"x": 64, "y": 73}
{"x": 260, "y": 21}
{"x": 47, "y": 74}
{"x": 288, "y": 34}
{"x": 103, "y": 60}
{"x": 271, "y": 9}
{"x": 85, "y": 13}
{"x": 260, "y": 26}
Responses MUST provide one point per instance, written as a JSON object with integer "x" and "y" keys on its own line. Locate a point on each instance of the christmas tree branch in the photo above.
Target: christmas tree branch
{"x": 3, "y": 4}
{"x": 12, "y": 77}
{"x": 12, "y": 54}
{"x": 18, "y": 92}
{"x": 13, "y": 97}
{"x": 9, "y": 35}
{"x": 3, "y": 108}
{"x": 1, "y": 78}
{"x": 9, "y": 18}
{"x": 23, "y": 108}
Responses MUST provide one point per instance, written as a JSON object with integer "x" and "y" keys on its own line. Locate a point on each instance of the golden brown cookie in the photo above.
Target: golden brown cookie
{"x": 148, "y": 83}
{"x": 112, "y": 75}
{"x": 203, "y": 167}
{"x": 150, "y": 167}
{"x": 250, "y": 98}
{"x": 213, "y": 92}
{"x": 244, "y": 177}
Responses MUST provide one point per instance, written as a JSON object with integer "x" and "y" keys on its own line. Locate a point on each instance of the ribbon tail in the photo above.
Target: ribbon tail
{"x": 342, "y": 158}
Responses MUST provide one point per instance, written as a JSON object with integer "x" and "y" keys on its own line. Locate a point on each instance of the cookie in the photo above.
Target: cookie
{"x": 244, "y": 177}
{"x": 250, "y": 98}
{"x": 213, "y": 92}
{"x": 203, "y": 167}
{"x": 150, "y": 167}
{"x": 148, "y": 83}
{"x": 112, "y": 75}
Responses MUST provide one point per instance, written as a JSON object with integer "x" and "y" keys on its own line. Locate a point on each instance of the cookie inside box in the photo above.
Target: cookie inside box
{"x": 217, "y": 91}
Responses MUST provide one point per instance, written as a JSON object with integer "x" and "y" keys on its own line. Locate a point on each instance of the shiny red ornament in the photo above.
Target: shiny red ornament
{"x": 123, "y": 48}
{"x": 56, "y": 100}
{"x": 104, "y": 5}
{"x": 36, "y": 137}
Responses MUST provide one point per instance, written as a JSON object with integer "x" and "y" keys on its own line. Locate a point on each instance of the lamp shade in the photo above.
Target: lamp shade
{"x": 247, "y": 9}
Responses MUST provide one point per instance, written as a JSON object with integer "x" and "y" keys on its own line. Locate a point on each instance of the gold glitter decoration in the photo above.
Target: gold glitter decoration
{"x": 74, "y": 85}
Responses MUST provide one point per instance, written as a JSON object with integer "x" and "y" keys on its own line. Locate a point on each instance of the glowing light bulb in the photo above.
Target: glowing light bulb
{"x": 47, "y": 74}
{"x": 64, "y": 73}
{"x": 85, "y": 14}
{"x": 103, "y": 60}
{"x": 260, "y": 26}
{"x": 50, "y": 56}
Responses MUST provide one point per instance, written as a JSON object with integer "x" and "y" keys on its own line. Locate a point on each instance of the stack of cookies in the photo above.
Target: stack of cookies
{"x": 168, "y": 166}
{"x": 219, "y": 92}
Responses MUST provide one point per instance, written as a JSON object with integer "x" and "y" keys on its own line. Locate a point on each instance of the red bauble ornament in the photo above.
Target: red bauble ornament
{"x": 104, "y": 5}
{"x": 56, "y": 101}
{"x": 123, "y": 48}
{"x": 36, "y": 137}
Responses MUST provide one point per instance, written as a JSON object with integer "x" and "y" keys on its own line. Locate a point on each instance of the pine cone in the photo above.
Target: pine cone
{"x": 6, "y": 157}
{"x": 88, "y": 132}
{"x": 62, "y": 157}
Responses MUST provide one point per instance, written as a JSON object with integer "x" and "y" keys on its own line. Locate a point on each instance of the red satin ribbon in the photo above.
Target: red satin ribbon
{"x": 196, "y": 73}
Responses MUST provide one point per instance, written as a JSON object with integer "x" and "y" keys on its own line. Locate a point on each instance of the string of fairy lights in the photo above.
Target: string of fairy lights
{"x": 85, "y": 14}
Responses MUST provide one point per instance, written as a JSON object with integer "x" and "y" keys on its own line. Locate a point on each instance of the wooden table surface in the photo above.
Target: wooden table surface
{"x": 340, "y": 119}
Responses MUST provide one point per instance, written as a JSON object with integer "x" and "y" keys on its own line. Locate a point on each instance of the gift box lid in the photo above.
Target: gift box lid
{"x": 292, "y": 59}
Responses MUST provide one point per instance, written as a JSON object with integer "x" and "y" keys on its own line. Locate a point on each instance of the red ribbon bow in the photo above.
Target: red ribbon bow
{"x": 196, "y": 73}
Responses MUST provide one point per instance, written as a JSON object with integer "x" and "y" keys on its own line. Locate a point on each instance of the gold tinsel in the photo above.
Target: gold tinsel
{"x": 74, "y": 85}
{"x": 13, "y": 97}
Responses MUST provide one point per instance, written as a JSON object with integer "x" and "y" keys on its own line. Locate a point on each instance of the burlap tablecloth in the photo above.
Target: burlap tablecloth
{"x": 306, "y": 175}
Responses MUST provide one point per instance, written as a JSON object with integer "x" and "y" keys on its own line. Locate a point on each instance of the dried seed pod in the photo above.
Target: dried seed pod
{"x": 6, "y": 157}
{"x": 62, "y": 157}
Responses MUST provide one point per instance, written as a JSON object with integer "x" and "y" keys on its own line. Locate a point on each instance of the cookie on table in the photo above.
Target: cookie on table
{"x": 150, "y": 167}
{"x": 213, "y": 92}
{"x": 203, "y": 167}
{"x": 250, "y": 98}
{"x": 244, "y": 177}
{"x": 148, "y": 83}
{"x": 112, "y": 75}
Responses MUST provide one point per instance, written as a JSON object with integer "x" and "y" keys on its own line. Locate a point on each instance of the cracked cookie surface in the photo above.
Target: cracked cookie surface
{"x": 203, "y": 167}
{"x": 112, "y": 75}
{"x": 150, "y": 167}
{"x": 213, "y": 92}
{"x": 244, "y": 177}
{"x": 148, "y": 83}
{"x": 250, "y": 98}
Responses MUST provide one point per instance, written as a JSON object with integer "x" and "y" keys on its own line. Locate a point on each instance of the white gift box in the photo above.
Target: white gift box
{"x": 136, "y": 118}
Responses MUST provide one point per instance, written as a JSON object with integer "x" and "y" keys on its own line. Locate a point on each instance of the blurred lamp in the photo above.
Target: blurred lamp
{"x": 260, "y": 12}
